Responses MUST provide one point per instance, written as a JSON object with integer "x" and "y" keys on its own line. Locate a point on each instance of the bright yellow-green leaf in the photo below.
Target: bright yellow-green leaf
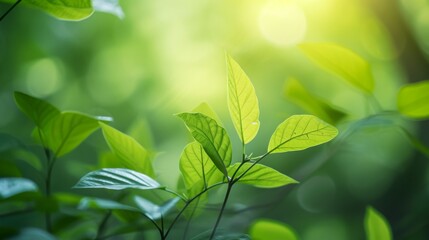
{"x": 343, "y": 62}
{"x": 376, "y": 226}
{"x": 295, "y": 92}
{"x": 128, "y": 150}
{"x": 64, "y": 9}
{"x": 205, "y": 109}
{"x": 196, "y": 167}
{"x": 413, "y": 100}
{"x": 242, "y": 102}
{"x": 260, "y": 176}
{"x": 300, "y": 132}
{"x": 212, "y": 137}
{"x": 264, "y": 229}
{"x": 66, "y": 131}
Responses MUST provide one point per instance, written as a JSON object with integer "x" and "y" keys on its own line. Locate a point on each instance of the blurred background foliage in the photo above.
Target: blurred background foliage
{"x": 166, "y": 57}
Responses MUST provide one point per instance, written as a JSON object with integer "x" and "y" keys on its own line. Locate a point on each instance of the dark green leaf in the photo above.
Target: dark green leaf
{"x": 117, "y": 179}
{"x": 300, "y": 132}
{"x": 154, "y": 211}
{"x": 268, "y": 230}
{"x": 413, "y": 100}
{"x": 376, "y": 226}
{"x": 128, "y": 150}
{"x": 33, "y": 233}
{"x": 212, "y": 137}
{"x": 260, "y": 176}
{"x": 103, "y": 204}
{"x": 13, "y": 186}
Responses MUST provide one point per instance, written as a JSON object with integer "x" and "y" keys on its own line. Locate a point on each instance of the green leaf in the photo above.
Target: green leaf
{"x": 108, "y": 6}
{"x": 260, "y": 176}
{"x": 242, "y": 102}
{"x": 40, "y": 111}
{"x": 132, "y": 154}
{"x": 196, "y": 166}
{"x": 295, "y": 92}
{"x": 103, "y": 204}
{"x": 376, "y": 226}
{"x": 212, "y": 137}
{"x": 117, "y": 179}
{"x": 64, "y": 9}
{"x": 343, "y": 62}
{"x": 413, "y": 100}
{"x": 300, "y": 132}
{"x": 67, "y": 131}
{"x": 33, "y": 233}
{"x": 267, "y": 230}
{"x": 205, "y": 109}
{"x": 13, "y": 186}
{"x": 153, "y": 211}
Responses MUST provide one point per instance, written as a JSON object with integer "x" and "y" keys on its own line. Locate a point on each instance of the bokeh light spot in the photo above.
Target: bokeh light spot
{"x": 283, "y": 24}
{"x": 43, "y": 78}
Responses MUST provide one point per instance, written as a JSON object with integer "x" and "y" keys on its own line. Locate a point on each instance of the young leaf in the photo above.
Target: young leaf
{"x": 268, "y": 229}
{"x": 413, "y": 100}
{"x": 117, "y": 179}
{"x": 295, "y": 92}
{"x": 376, "y": 226}
{"x": 40, "y": 111}
{"x": 212, "y": 137}
{"x": 300, "y": 132}
{"x": 13, "y": 186}
{"x": 64, "y": 9}
{"x": 205, "y": 109}
{"x": 242, "y": 102}
{"x": 152, "y": 210}
{"x": 196, "y": 166}
{"x": 103, "y": 204}
{"x": 67, "y": 131}
{"x": 260, "y": 176}
{"x": 342, "y": 62}
{"x": 132, "y": 154}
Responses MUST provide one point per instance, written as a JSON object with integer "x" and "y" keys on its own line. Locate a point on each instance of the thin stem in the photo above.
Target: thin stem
{"x": 225, "y": 200}
{"x": 185, "y": 233}
{"x": 102, "y": 225}
{"x": 9, "y": 10}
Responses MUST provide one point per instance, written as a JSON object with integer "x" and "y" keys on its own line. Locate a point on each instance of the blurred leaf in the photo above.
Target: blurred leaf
{"x": 416, "y": 142}
{"x": 28, "y": 157}
{"x": 9, "y": 169}
{"x": 212, "y": 137}
{"x": 40, "y": 111}
{"x": 205, "y": 109}
{"x": 154, "y": 211}
{"x": 47, "y": 204}
{"x": 300, "y": 132}
{"x": 67, "y": 131}
{"x": 117, "y": 179}
{"x": 221, "y": 235}
{"x": 140, "y": 131}
{"x": 267, "y": 230}
{"x": 196, "y": 166}
{"x": 413, "y": 100}
{"x": 342, "y": 62}
{"x": 376, "y": 226}
{"x": 242, "y": 102}
{"x": 13, "y": 186}
{"x": 296, "y": 93}
{"x": 129, "y": 151}
{"x": 260, "y": 176}
{"x": 8, "y": 142}
{"x": 103, "y": 204}
{"x": 67, "y": 198}
{"x": 108, "y": 6}
{"x": 33, "y": 233}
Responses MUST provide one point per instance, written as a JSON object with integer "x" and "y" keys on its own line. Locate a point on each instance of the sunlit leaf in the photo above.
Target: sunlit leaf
{"x": 376, "y": 226}
{"x": 67, "y": 131}
{"x": 260, "y": 176}
{"x": 212, "y": 137}
{"x": 196, "y": 166}
{"x": 129, "y": 151}
{"x": 108, "y": 6}
{"x": 154, "y": 211}
{"x": 103, "y": 204}
{"x": 413, "y": 100}
{"x": 40, "y": 111}
{"x": 295, "y": 92}
{"x": 205, "y": 109}
{"x": 242, "y": 102}
{"x": 267, "y": 230}
{"x": 13, "y": 186}
{"x": 117, "y": 179}
{"x": 300, "y": 132}
{"x": 64, "y": 9}
{"x": 342, "y": 62}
